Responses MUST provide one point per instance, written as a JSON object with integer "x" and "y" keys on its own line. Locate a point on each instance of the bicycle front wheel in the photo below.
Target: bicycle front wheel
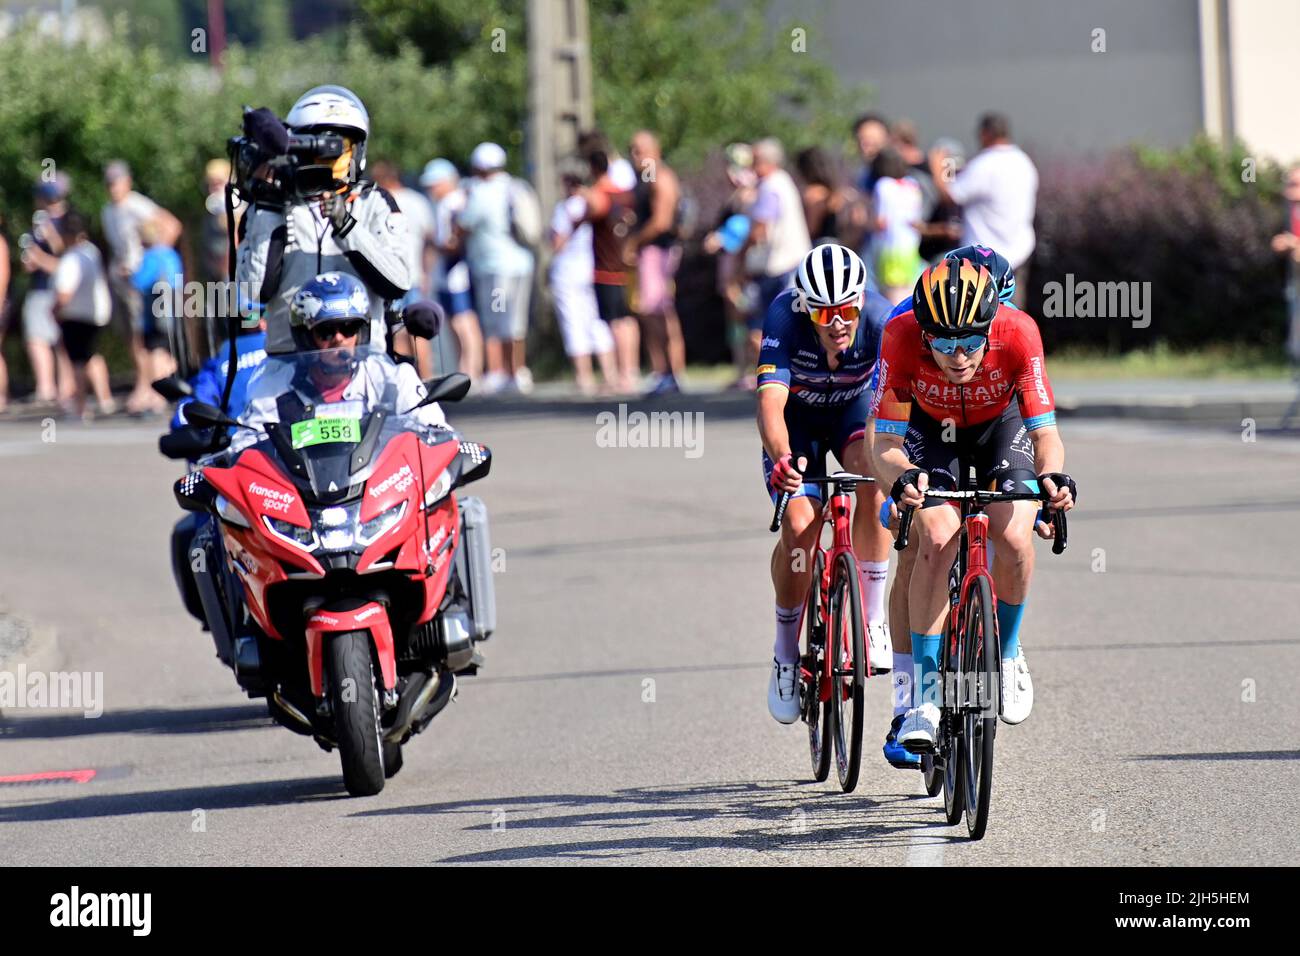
{"x": 980, "y": 718}
{"x": 847, "y": 645}
{"x": 816, "y": 715}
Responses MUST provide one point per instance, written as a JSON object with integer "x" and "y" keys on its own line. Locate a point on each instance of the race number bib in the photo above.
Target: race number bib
{"x": 322, "y": 431}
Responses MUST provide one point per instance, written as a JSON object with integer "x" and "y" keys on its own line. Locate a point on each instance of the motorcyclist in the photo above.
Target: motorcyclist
{"x": 329, "y": 318}
{"x": 329, "y": 221}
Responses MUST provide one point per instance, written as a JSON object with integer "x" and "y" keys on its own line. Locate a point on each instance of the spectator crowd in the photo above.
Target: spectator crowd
{"x": 611, "y": 247}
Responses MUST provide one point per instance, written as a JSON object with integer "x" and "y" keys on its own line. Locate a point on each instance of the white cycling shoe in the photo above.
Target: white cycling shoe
{"x": 880, "y": 648}
{"x": 1017, "y": 689}
{"x": 920, "y": 726}
{"x": 783, "y": 692}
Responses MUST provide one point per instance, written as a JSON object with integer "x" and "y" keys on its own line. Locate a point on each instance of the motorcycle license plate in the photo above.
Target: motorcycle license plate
{"x": 322, "y": 431}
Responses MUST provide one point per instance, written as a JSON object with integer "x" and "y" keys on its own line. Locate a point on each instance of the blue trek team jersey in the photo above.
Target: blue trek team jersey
{"x": 792, "y": 355}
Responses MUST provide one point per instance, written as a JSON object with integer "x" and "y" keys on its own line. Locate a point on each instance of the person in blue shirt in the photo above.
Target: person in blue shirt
{"x": 160, "y": 281}
{"x": 819, "y": 346}
{"x": 1005, "y": 278}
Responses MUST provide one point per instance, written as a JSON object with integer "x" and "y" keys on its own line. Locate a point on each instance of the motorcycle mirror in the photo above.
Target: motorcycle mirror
{"x": 447, "y": 388}
{"x": 190, "y": 442}
{"x": 173, "y": 388}
{"x": 208, "y": 416}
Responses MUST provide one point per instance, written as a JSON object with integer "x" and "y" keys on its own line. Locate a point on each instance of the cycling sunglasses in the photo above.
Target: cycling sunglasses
{"x": 848, "y": 314}
{"x": 969, "y": 343}
{"x": 327, "y": 330}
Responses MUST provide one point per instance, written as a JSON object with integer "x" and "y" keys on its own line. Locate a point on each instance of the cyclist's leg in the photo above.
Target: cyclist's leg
{"x": 871, "y": 542}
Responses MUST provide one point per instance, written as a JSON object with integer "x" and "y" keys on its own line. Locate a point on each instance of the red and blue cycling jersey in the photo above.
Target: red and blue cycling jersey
{"x": 1013, "y": 367}
{"x": 792, "y": 355}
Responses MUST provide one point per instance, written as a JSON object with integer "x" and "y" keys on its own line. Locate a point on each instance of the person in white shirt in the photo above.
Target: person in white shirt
{"x": 83, "y": 307}
{"x": 418, "y": 212}
{"x": 573, "y": 266}
{"x": 998, "y": 191}
{"x": 896, "y": 238}
{"x": 451, "y": 279}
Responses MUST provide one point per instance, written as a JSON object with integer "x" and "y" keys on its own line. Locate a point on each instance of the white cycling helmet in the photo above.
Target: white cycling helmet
{"x": 332, "y": 108}
{"x": 830, "y": 275}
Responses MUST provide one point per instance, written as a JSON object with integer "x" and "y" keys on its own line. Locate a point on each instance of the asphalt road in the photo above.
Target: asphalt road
{"x": 622, "y": 718}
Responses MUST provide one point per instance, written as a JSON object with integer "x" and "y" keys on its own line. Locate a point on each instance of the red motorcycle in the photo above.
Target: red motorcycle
{"x": 341, "y": 576}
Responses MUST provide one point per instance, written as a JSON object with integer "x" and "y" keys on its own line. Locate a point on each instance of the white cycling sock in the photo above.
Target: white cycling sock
{"x": 874, "y": 574}
{"x": 786, "y": 650}
{"x": 902, "y": 682}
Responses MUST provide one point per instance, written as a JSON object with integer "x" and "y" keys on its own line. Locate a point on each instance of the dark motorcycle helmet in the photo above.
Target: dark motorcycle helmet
{"x": 955, "y": 297}
{"x": 1004, "y": 277}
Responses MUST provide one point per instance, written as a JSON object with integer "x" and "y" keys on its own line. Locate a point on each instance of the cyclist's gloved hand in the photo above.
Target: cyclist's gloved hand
{"x": 913, "y": 478}
{"x": 1061, "y": 489}
{"x": 787, "y": 474}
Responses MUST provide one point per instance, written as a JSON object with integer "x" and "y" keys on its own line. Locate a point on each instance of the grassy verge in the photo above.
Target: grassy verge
{"x": 1212, "y": 362}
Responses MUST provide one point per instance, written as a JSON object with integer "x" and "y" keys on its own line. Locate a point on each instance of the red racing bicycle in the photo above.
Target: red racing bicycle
{"x": 833, "y": 674}
{"x": 961, "y": 762}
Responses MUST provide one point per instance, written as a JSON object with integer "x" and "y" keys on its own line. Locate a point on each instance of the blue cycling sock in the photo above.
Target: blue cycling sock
{"x": 925, "y": 653}
{"x": 1009, "y": 627}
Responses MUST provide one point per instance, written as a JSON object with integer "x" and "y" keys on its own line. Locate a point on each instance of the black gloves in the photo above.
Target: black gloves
{"x": 335, "y": 209}
{"x": 908, "y": 477}
{"x": 1061, "y": 481}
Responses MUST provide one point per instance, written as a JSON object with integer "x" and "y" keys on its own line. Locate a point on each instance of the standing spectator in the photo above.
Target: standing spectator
{"x": 451, "y": 279}
{"x": 654, "y": 250}
{"x": 420, "y": 229}
{"x": 1288, "y": 243}
{"x": 997, "y": 191}
{"x": 778, "y": 236}
{"x": 214, "y": 239}
{"x": 41, "y": 249}
{"x": 122, "y": 217}
{"x": 896, "y": 241}
{"x": 725, "y": 242}
{"x": 941, "y": 231}
{"x": 501, "y": 268}
{"x": 621, "y": 173}
{"x": 831, "y": 210}
{"x": 871, "y": 131}
{"x": 573, "y": 265}
{"x": 905, "y": 138}
{"x": 4, "y": 315}
{"x": 160, "y": 273}
{"x": 83, "y": 307}
{"x": 609, "y": 210}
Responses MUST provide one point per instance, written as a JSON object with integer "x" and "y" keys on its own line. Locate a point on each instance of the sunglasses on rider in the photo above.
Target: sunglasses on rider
{"x": 327, "y": 330}
{"x": 968, "y": 343}
{"x": 848, "y": 314}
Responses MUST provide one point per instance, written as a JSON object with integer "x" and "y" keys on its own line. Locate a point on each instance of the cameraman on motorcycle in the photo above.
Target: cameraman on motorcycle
{"x": 329, "y": 316}
{"x": 324, "y": 219}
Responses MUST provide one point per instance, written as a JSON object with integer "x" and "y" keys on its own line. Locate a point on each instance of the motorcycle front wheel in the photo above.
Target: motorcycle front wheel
{"x": 354, "y": 697}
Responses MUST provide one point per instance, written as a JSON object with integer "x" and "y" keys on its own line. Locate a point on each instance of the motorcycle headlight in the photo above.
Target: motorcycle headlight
{"x": 370, "y": 531}
{"x": 296, "y": 535}
{"x": 439, "y": 489}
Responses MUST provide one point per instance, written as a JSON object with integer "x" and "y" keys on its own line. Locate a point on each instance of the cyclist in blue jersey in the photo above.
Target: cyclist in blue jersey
{"x": 819, "y": 348}
{"x": 903, "y": 677}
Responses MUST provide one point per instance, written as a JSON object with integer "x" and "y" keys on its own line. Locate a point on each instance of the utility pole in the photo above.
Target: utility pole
{"x": 216, "y": 32}
{"x": 559, "y": 89}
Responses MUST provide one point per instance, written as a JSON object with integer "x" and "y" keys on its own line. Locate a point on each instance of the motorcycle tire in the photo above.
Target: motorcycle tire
{"x": 354, "y": 697}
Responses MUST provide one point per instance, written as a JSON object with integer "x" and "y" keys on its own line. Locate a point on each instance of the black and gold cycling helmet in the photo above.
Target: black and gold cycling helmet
{"x": 955, "y": 296}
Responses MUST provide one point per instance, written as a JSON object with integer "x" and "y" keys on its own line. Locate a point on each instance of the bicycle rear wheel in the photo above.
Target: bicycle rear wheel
{"x": 980, "y": 718}
{"x": 846, "y": 642}
{"x": 816, "y": 715}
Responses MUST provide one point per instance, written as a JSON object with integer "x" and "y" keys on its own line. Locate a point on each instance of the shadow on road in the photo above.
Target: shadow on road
{"x": 761, "y": 816}
{"x": 181, "y": 801}
{"x": 15, "y": 725}
{"x": 1237, "y": 755}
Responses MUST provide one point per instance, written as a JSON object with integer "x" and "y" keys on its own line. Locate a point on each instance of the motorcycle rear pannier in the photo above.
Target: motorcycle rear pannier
{"x": 474, "y": 563}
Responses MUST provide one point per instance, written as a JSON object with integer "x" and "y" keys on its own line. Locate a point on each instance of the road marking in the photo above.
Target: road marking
{"x": 924, "y": 850}
{"x": 50, "y": 776}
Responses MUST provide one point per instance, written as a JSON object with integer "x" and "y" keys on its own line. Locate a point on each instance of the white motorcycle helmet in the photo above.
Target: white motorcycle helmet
{"x": 333, "y": 109}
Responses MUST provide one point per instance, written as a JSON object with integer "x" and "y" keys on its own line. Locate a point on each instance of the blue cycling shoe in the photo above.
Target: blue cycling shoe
{"x": 894, "y": 752}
